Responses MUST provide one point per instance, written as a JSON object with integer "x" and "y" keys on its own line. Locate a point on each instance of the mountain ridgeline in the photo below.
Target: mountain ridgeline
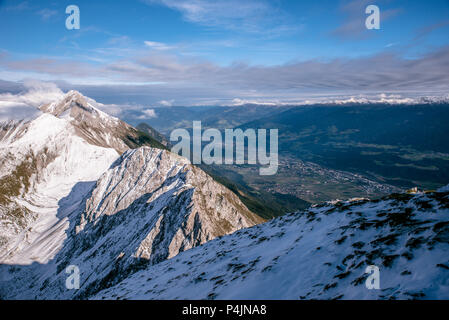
{"x": 51, "y": 166}
{"x": 96, "y": 127}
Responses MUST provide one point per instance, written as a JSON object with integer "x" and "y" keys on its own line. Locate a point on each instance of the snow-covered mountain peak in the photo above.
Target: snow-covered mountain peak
{"x": 41, "y": 160}
{"x": 95, "y": 126}
{"x": 74, "y": 105}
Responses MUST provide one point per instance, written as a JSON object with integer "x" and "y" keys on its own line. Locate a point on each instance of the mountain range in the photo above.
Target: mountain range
{"x": 81, "y": 188}
{"x": 51, "y": 164}
{"x": 333, "y": 150}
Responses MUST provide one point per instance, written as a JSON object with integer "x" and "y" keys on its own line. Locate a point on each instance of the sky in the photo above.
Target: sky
{"x": 156, "y": 53}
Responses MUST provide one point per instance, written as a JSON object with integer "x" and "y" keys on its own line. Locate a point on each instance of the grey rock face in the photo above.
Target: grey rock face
{"x": 185, "y": 206}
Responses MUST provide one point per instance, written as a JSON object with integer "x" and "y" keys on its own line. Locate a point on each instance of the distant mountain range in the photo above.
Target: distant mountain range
{"x": 390, "y": 99}
{"x": 335, "y": 150}
{"x": 401, "y": 145}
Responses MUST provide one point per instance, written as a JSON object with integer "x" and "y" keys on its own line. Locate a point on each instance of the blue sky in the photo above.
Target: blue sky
{"x": 159, "y": 52}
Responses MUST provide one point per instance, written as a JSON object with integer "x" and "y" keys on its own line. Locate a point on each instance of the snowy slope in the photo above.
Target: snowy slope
{"x": 42, "y": 161}
{"x": 147, "y": 207}
{"x": 317, "y": 254}
{"x": 320, "y": 253}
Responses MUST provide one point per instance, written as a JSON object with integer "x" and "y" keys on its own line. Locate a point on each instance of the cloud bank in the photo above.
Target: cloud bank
{"x": 24, "y": 104}
{"x": 170, "y": 73}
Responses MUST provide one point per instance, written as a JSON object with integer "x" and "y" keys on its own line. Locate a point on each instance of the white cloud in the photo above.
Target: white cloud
{"x": 47, "y": 13}
{"x": 24, "y": 105}
{"x": 112, "y": 109}
{"x": 148, "y": 114}
{"x": 158, "y": 45}
{"x": 166, "y": 103}
{"x": 249, "y": 15}
{"x": 241, "y": 102}
{"x": 211, "y": 12}
{"x": 39, "y": 93}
